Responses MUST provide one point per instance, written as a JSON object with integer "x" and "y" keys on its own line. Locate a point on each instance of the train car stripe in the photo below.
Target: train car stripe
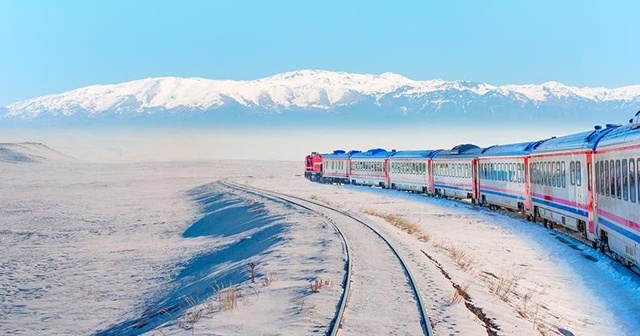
{"x": 613, "y": 226}
{"x": 498, "y": 193}
{"x": 620, "y": 220}
{"x": 468, "y": 188}
{"x": 561, "y": 207}
{"x": 560, "y": 201}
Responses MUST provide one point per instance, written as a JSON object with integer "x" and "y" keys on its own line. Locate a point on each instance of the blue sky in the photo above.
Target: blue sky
{"x": 53, "y": 46}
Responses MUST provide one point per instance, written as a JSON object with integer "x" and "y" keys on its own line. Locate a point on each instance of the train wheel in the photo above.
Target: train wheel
{"x": 551, "y": 225}
{"x": 545, "y": 223}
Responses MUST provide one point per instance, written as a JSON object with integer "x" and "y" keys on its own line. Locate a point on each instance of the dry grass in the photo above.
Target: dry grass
{"x": 460, "y": 294}
{"x": 504, "y": 286}
{"x": 228, "y": 298}
{"x": 463, "y": 259}
{"x": 268, "y": 279}
{"x": 439, "y": 244}
{"x": 323, "y": 200}
{"x": 399, "y": 222}
{"x": 317, "y": 284}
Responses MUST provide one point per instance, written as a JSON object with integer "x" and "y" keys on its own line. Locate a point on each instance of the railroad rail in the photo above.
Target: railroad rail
{"x": 338, "y": 318}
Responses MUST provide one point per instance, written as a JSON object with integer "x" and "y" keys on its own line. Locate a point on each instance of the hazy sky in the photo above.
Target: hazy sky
{"x": 53, "y": 46}
{"x": 133, "y": 144}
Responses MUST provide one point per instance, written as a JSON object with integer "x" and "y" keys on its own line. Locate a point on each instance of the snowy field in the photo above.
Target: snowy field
{"x": 164, "y": 249}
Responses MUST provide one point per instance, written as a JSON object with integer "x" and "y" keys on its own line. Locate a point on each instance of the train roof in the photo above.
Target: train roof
{"x": 373, "y": 154}
{"x": 340, "y": 154}
{"x": 582, "y": 140}
{"x": 517, "y": 149}
{"x": 624, "y": 134}
{"x": 460, "y": 151}
{"x": 412, "y": 154}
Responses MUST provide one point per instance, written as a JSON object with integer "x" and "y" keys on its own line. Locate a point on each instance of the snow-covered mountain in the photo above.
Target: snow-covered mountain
{"x": 387, "y": 94}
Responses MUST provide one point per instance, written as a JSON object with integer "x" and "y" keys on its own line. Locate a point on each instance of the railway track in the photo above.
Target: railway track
{"x": 372, "y": 277}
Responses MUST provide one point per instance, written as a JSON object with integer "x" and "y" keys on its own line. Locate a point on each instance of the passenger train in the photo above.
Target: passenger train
{"x": 588, "y": 183}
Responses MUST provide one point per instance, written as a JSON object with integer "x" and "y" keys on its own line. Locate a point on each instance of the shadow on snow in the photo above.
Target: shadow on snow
{"x": 208, "y": 272}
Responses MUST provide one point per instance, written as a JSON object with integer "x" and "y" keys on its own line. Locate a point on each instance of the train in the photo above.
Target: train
{"x": 587, "y": 183}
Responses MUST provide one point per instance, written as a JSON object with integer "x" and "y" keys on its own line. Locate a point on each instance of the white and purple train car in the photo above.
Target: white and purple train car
{"x": 336, "y": 166}
{"x": 503, "y": 171}
{"x": 412, "y": 170}
{"x": 454, "y": 172}
{"x": 370, "y": 168}
{"x": 561, "y": 175}
{"x": 617, "y": 192}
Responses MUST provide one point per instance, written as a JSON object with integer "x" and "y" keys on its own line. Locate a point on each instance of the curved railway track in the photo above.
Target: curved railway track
{"x": 322, "y": 210}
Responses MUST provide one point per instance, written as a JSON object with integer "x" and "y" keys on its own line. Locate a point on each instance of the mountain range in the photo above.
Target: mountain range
{"x": 330, "y": 97}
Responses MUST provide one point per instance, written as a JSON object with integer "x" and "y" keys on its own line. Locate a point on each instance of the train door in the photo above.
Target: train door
{"x": 591, "y": 206}
{"x": 475, "y": 180}
{"x": 386, "y": 173}
{"x": 527, "y": 186}
{"x": 430, "y": 176}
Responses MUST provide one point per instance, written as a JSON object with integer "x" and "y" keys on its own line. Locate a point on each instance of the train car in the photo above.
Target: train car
{"x": 560, "y": 181}
{"x": 503, "y": 176}
{"x": 617, "y": 192}
{"x": 313, "y": 166}
{"x": 370, "y": 168}
{"x": 335, "y": 166}
{"x": 412, "y": 170}
{"x": 454, "y": 172}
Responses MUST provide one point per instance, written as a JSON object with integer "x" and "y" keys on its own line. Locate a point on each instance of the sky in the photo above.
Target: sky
{"x": 50, "y": 47}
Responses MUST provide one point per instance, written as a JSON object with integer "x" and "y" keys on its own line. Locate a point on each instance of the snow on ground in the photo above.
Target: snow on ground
{"x": 124, "y": 248}
{"x": 26, "y": 152}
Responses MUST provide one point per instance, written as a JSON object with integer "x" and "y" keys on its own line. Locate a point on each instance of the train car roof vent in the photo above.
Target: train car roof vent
{"x": 635, "y": 121}
{"x": 611, "y": 125}
{"x": 338, "y": 151}
{"x": 597, "y": 127}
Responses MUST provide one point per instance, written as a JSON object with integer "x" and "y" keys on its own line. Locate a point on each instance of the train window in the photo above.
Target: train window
{"x": 578, "y": 174}
{"x": 618, "y": 180}
{"x": 603, "y": 178}
{"x": 547, "y": 170}
{"x": 504, "y": 174}
{"x": 638, "y": 178}
{"x": 612, "y": 177}
{"x": 494, "y": 167}
{"x": 607, "y": 181}
{"x": 625, "y": 180}
{"x": 563, "y": 175}
{"x": 558, "y": 176}
{"x": 532, "y": 173}
{"x": 572, "y": 172}
{"x": 553, "y": 174}
{"x": 597, "y": 174}
{"x": 632, "y": 180}
{"x": 555, "y": 167}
